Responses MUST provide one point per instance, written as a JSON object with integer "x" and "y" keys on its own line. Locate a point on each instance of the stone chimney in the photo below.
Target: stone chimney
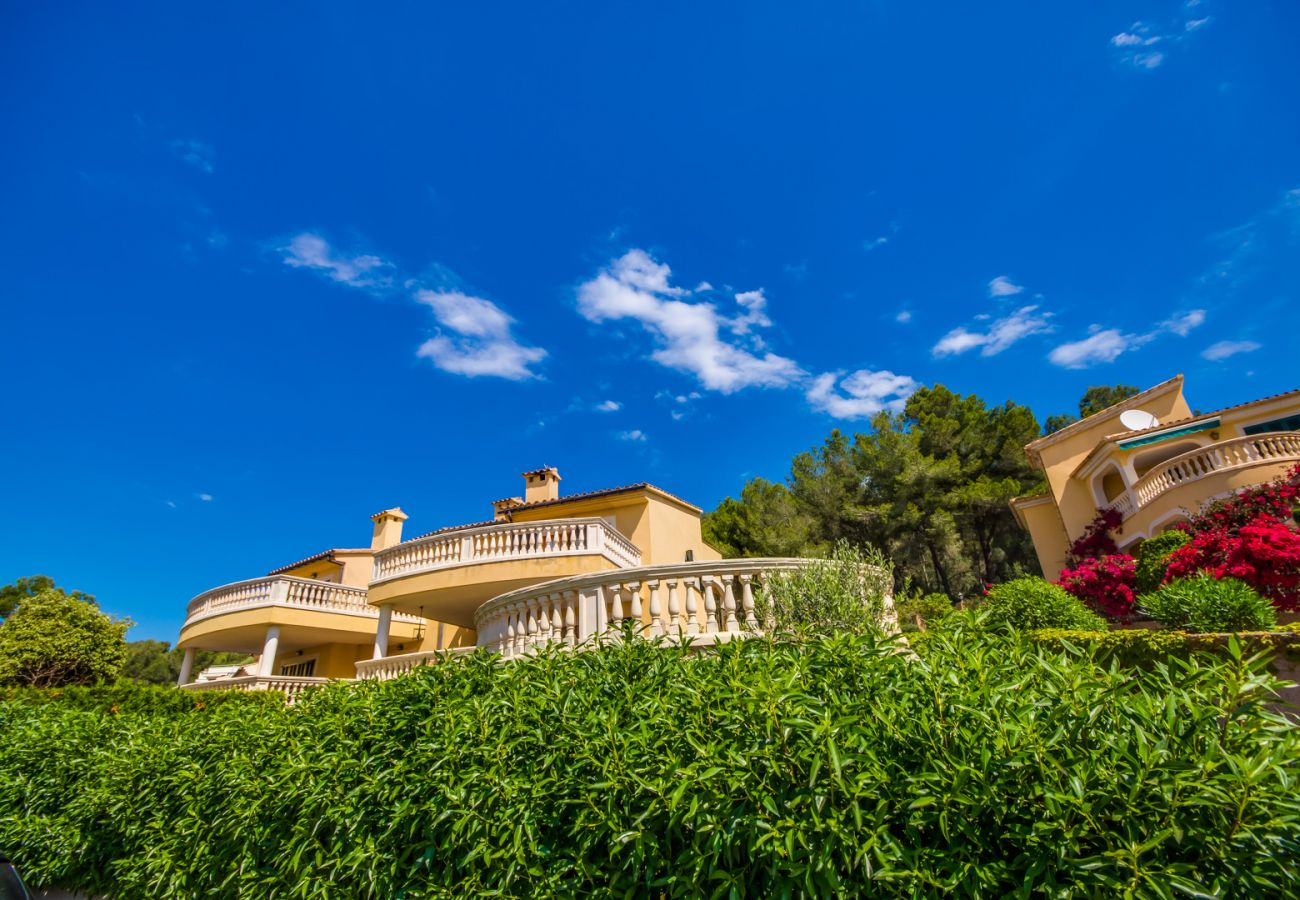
{"x": 388, "y": 528}
{"x": 541, "y": 484}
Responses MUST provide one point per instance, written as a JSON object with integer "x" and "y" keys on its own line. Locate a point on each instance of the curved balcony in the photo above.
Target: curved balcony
{"x": 291, "y": 687}
{"x": 1276, "y": 450}
{"x": 235, "y": 616}
{"x": 449, "y": 575}
{"x": 705, "y": 602}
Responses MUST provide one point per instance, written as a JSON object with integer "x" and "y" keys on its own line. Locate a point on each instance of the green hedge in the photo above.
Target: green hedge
{"x": 132, "y": 697}
{"x": 1144, "y": 647}
{"x": 987, "y": 766}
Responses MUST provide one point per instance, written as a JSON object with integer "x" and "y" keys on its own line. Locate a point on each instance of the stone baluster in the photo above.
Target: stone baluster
{"x": 747, "y": 602}
{"x": 692, "y": 613}
{"x": 614, "y": 593}
{"x": 656, "y": 620}
{"x": 674, "y": 607}
{"x": 729, "y": 622}
{"x": 707, "y": 592}
{"x": 633, "y": 589}
{"x": 570, "y": 617}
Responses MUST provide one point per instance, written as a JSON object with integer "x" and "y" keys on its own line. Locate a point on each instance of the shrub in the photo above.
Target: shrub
{"x": 1146, "y": 647}
{"x": 130, "y": 697}
{"x": 1106, "y": 585}
{"x": 990, "y": 766}
{"x": 1204, "y": 603}
{"x": 1275, "y": 500}
{"x": 1265, "y": 554}
{"x": 1028, "y": 602}
{"x": 54, "y": 638}
{"x": 1153, "y": 558}
{"x": 930, "y": 608}
{"x": 847, "y": 593}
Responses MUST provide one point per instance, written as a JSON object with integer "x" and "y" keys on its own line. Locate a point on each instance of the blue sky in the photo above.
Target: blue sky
{"x": 269, "y": 268}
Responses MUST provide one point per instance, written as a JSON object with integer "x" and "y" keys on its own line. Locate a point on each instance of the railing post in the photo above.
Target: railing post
{"x": 656, "y": 622}
{"x": 467, "y": 548}
{"x": 279, "y": 591}
{"x": 187, "y": 665}
{"x": 381, "y": 631}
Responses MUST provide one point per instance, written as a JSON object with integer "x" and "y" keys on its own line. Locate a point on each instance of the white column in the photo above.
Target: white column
{"x": 187, "y": 665}
{"x": 269, "y": 649}
{"x": 381, "y": 632}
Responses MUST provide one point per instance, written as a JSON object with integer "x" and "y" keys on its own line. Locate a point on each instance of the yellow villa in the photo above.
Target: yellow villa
{"x": 1154, "y": 461}
{"x": 544, "y": 568}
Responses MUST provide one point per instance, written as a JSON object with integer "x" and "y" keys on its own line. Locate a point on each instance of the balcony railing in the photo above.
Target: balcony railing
{"x": 1235, "y": 453}
{"x": 284, "y": 590}
{"x": 291, "y": 687}
{"x": 392, "y": 666}
{"x": 509, "y": 541}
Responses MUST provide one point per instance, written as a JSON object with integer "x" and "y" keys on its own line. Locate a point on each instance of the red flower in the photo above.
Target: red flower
{"x": 1107, "y": 584}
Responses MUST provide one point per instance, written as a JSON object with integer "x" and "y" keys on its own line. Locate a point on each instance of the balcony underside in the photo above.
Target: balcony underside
{"x": 244, "y": 631}
{"x": 453, "y": 594}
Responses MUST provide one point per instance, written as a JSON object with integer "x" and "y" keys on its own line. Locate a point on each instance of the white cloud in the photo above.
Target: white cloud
{"x": 311, "y": 251}
{"x": 1147, "y": 60}
{"x": 483, "y": 345}
{"x": 609, "y": 406}
{"x": 1002, "y": 286}
{"x": 171, "y": 503}
{"x": 636, "y": 435}
{"x": 1224, "y": 349}
{"x": 903, "y": 317}
{"x": 206, "y": 498}
{"x": 1182, "y": 325}
{"x": 861, "y": 394}
{"x": 195, "y": 153}
{"x": 1102, "y": 346}
{"x": 875, "y": 243}
{"x": 1132, "y": 46}
{"x": 687, "y": 334}
{"x": 1193, "y": 24}
{"x": 1126, "y": 39}
{"x": 1001, "y": 334}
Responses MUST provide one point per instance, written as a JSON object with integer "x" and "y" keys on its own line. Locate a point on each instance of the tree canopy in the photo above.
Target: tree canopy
{"x": 11, "y": 595}
{"x": 1094, "y": 400}
{"x": 929, "y": 486}
{"x": 157, "y": 662}
{"x": 54, "y": 638}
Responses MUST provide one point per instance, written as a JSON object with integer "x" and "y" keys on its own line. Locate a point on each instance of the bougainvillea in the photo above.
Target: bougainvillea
{"x": 1107, "y": 584}
{"x": 1096, "y": 541}
{"x": 1265, "y": 554}
{"x": 1275, "y": 501}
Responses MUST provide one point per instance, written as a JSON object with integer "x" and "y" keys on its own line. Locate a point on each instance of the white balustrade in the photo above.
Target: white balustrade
{"x": 284, "y": 590}
{"x": 1236, "y": 453}
{"x": 391, "y": 666}
{"x": 291, "y": 687}
{"x": 507, "y": 541}
{"x": 704, "y": 601}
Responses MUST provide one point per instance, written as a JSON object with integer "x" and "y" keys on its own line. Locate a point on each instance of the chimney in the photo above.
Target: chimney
{"x": 388, "y": 528}
{"x": 541, "y": 484}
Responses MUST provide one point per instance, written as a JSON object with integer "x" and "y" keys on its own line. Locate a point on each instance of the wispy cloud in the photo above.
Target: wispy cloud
{"x": 1102, "y": 346}
{"x": 476, "y": 338}
{"x": 636, "y": 436}
{"x": 1002, "y": 286}
{"x": 609, "y": 406}
{"x": 860, "y": 394}
{"x": 481, "y": 343}
{"x": 195, "y": 153}
{"x": 903, "y": 317}
{"x": 206, "y": 498}
{"x": 998, "y": 336}
{"x": 1223, "y": 349}
{"x": 689, "y": 335}
{"x": 1182, "y": 325}
{"x": 358, "y": 270}
{"x": 1144, "y": 46}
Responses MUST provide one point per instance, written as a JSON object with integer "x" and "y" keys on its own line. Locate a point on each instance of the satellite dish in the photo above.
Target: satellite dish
{"x": 1137, "y": 419}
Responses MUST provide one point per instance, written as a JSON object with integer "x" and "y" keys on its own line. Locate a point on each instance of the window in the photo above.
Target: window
{"x": 304, "y": 669}
{"x": 1290, "y": 423}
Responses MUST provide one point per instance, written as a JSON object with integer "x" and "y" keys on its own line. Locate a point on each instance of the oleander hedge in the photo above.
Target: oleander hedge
{"x": 988, "y": 765}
